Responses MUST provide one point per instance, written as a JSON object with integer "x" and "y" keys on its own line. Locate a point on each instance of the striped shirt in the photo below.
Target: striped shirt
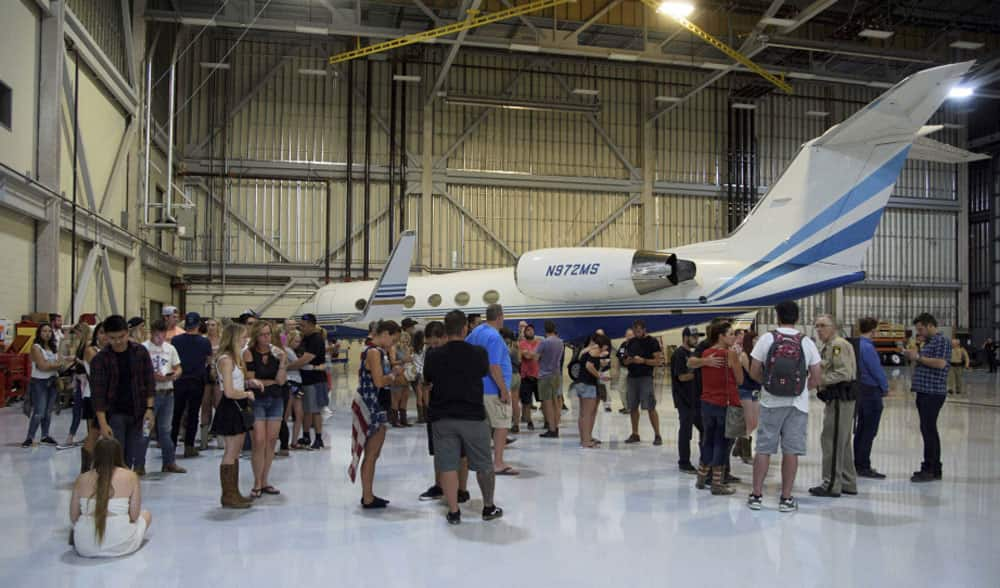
{"x": 928, "y": 380}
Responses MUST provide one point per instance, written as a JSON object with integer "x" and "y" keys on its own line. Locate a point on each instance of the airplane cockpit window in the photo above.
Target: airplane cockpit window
{"x": 360, "y": 303}
{"x": 491, "y": 297}
{"x": 409, "y": 301}
{"x": 434, "y": 300}
{"x": 462, "y": 298}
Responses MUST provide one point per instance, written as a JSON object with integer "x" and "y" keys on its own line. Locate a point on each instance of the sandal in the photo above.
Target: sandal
{"x": 256, "y": 493}
{"x": 270, "y": 490}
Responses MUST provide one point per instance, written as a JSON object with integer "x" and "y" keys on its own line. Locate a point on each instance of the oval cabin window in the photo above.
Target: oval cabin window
{"x": 491, "y": 297}
{"x": 434, "y": 300}
{"x": 360, "y": 303}
{"x": 409, "y": 301}
{"x": 462, "y": 298}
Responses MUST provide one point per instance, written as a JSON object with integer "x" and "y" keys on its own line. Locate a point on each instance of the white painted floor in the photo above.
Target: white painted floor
{"x": 616, "y": 516}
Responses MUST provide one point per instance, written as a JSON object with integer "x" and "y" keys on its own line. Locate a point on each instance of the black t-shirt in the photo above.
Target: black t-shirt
{"x": 684, "y": 393}
{"x": 456, "y": 371}
{"x": 314, "y": 343}
{"x": 645, "y": 347}
{"x": 699, "y": 350}
{"x": 585, "y": 376}
{"x": 194, "y": 351}
{"x": 124, "y": 401}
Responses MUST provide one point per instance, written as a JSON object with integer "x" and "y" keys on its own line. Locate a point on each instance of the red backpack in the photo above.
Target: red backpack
{"x": 785, "y": 371}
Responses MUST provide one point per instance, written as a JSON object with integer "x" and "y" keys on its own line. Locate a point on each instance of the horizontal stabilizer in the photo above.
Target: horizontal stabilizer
{"x": 930, "y": 150}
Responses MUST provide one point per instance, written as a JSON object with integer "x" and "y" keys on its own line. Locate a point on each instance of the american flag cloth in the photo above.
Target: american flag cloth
{"x": 369, "y": 416}
{"x": 361, "y": 424}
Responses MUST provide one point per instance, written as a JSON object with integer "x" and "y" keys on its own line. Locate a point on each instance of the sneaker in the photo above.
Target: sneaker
{"x": 624, "y": 411}
{"x": 531, "y": 426}
{"x": 511, "y": 441}
{"x": 824, "y": 492}
{"x": 607, "y": 408}
{"x": 657, "y": 440}
{"x": 375, "y": 503}
{"x": 731, "y": 479}
{"x": 173, "y": 469}
{"x": 318, "y": 443}
{"x": 515, "y": 429}
{"x": 281, "y": 453}
{"x": 492, "y": 512}
{"x": 754, "y": 502}
{"x": 463, "y": 496}
{"x": 454, "y": 518}
{"x": 433, "y": 493}
{"x": 920, "y": 477}
{"x": 550, "y": 435}
{"x": 27, "y": 443}
{"x": 305, "y": 440}
{"x": 788, "y": 504}
{"x": 850, "y": 492}
{"x": 191, "y": 451}
{"x": 687, "y": 468}
{"x": 67, "y": 445}
{"x": 633, "y": 438}
{"x": 871, "y": 474}
{"x": 49, "y": 441}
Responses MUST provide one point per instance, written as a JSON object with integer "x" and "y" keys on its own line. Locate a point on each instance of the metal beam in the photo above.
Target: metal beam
{"x": 269, "y": 302}
{"x": 109, "y": 284}
{"x": 634, "y": 200}
{"x": 243, "y": 102}
{"x": 430, "y": 13}
{"x": 355, "y": 234}
{"x": 99, "y": 63}
{"x": 120, "y": 155}
{"x": 452, "y": 54}
{"x": 809, "y": 13}
{"x": 88, "y": 184}
{"x": 86, "y": 274}
{"x": 598, "y": 15}
{"x": 133, "y": 73}
{"x": 247, "y": 225}
{"x": 441, "y": 191}
{"x": 524, "y": 20}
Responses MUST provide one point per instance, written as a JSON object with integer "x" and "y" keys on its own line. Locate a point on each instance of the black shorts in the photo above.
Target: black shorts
{"x": 529, "y": 389}
{"x": 87, "y": 406}
{"x": 385, "y": 398}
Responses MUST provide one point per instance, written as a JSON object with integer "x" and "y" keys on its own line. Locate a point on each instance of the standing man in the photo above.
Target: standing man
{"x": 872, "y": 386}
{"x": 641, "y": 356}
{"x": 990, "y": 349}
{"x": 195, "y": 352}
{"x": 312, "y": 363}
{"x": 787, "y": 364}
{"x": 930, "y": 377}
{"x": 838, "y": 368}
{"x": 496, "y": 384}
{"x": 172, "y": 316}
{"x": 618, "y": 377}
{"x": 56, "y": 322}
{"x": 458, "y": 371}
{"x": 166, "y": 369}
{"x": 529, "y": 372}
{"x": 687, "y": 398}
{"x": 550, "y": 353}
{"x": 122, "y": 389}
{"x": 959, "y": 363}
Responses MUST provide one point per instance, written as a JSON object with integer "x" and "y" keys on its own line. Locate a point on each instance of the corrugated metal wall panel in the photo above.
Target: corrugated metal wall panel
{"x": 901, "y": 305}
{"x": 681, "y": 220}
{"x": 914, "y": 246}
{"x": 103, "y": 20}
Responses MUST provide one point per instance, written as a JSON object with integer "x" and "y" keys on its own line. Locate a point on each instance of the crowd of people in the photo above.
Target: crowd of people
{"x": 475, "y": 384}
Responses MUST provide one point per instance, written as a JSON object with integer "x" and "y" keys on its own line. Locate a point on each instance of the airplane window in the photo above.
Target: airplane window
{"x": 360, "y": 303}
{"x": 409, "y": 301}
{"x": 434, "y": 300}
{"x": 462, "y": 298}
{"x": 491, "y": 297}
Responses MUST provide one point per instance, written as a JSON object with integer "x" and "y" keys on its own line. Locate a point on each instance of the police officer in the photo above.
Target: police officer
{"x": 839, "y": 370}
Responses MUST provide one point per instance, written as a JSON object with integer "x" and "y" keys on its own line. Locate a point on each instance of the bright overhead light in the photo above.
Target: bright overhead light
{"x": 676, "y": 9}
{"x": 971, "y": 45}
{"x": 197, "y": 22}
{"x": 817, "y": 113}
{"x": 513, "y": 104}
{"x": 716, "y": 65}
{"x": 623, "y": 56}
{"x": 525, "y": 47}
{"x": 585, "y": 92}
{"x": 406, "y": 79}
{"x": 214, "y": 65}
{"x": 312, "y": 72}
{"x": 667, "y": 99}
{"x": 744, "y": 106}
{"x": 875, "y": 34}
{"x": 777, "y": 22}
{"x": 802, "y": 75}
{"x": 960, "y": 92}
{"x": 308, "y": 30}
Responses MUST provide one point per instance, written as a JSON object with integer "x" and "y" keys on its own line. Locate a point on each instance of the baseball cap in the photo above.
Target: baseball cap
{"x": 192, "y": 320}
{"x": 136, "y": 321}
{"x": 169, "y": 310}
{"x": 309, "y": 318}
{"x": 691, "y": 332}
{"x": 408, "y": 322}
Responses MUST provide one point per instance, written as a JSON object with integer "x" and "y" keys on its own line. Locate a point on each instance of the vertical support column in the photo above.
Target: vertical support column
{"x": 50, "y": 78}
{"x": 426, "y": 187}
{"x": 838, "y": 308}
{"x": 962, "y": 250}
{"x": 647, "y": 138}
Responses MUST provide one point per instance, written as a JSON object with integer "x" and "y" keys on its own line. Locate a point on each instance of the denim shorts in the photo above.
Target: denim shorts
{"x": 268, "y": 408}
{"x": 584, "y": 390}
{"x": 749, "y": 394}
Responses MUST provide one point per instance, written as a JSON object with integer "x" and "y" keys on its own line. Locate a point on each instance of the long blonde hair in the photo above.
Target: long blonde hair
{"x": 256, "y": 329}
{"x": 229, "y": 344}
{"x": 107, "y": 457}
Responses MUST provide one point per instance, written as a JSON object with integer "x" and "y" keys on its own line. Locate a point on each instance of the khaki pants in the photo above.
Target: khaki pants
{"x": 838, "y": 453}
{"x": 956, "y": 379}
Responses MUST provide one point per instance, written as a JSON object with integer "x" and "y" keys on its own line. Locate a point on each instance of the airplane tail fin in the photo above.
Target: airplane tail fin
{"x": 826, "y": 206}
{"x": 386, "y": 300}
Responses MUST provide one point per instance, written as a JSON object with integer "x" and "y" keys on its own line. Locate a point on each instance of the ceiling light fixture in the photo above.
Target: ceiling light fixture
{"x": 511, "y": 104}
{"x": 970, "y": 45}
{"x": 308, "y": 30}
{"x": 744, "y": 106}
{"x": 676, "y": 9}
{"x": 960, "y": 92}
{"x": 525, "y": 47}
{"x": 214, "y": 65}
{"x": 197, "y": 22}
{"x": 312, "y": 72}
{"x": 623, "y": 56}
{"x": 406, "y": 79}
{"x": 585, "y": 92}
{"x": 875, "y": 34}
{"x": 801, "y": 75}
{"x": 817, "y": 113}
{"x": 667, "y": 99}
{"x": 777, "y": 22}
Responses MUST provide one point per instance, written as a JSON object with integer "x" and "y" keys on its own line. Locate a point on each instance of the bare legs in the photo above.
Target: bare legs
{"x": 299, "y": 416}
{"x": 751, "y": 412}
{"x": 789, "y": 466}
{"x": 499, "y": 442}
{"x": 232, "y": 444}
{"x": 450, "y": 484}
{"x": 588, "y": 414}
{"x": 552, "y": 409}
{"x": 373, "y": 447}
{"x": 265, "y": 434}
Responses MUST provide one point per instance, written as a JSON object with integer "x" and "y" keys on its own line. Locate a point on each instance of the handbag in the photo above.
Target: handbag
{"x": 246, "y": 413}
{"x": 736, "y": 424}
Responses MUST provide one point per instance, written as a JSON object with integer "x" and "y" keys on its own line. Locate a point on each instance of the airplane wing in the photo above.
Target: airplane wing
{"x": 386, "y": 300}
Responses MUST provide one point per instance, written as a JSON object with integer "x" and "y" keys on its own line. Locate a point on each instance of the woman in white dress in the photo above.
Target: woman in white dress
{"x": 106, "y": 508}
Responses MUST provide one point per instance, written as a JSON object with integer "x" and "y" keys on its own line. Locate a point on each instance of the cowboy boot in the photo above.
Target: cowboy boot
{"x": 719, "y": 486}
{"x": 230, "y": 495}
{"x": 703, "y": 473}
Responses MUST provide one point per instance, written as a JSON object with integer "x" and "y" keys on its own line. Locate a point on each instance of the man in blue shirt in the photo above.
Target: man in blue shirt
{"x": 872, "y": 386}
{"x": 195, "y": 351}
{"x": 496, "y": 384}
{"x": 930, "y": 377}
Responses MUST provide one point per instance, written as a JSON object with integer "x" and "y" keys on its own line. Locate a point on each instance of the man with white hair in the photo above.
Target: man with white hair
{"x": 838, "y": 373}
{"x": 172, "y": 317}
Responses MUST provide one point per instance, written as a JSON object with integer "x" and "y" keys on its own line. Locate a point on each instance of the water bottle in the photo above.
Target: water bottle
{"x": 146, "y": 430}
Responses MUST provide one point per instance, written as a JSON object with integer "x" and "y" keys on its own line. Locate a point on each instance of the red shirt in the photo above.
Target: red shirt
{"x": 529, "y": 367}
{"x": 718, "y": 385}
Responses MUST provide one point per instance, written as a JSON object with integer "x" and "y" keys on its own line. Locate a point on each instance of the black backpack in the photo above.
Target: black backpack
{"x": 785, "y": 372}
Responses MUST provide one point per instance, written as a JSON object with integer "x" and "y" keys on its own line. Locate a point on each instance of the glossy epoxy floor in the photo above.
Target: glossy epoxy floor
{"x": 617, "y": 516}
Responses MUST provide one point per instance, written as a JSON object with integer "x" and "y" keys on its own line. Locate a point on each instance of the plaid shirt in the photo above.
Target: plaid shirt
{"x": 928, "y": 380}
{"x": 104, "y": 378}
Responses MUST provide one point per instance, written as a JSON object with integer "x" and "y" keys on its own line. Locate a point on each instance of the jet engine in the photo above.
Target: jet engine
{"x": 598, "y": 273}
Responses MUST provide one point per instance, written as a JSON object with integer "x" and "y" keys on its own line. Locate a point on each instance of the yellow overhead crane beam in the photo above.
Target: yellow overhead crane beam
{"x": 733, "y": 53}
{"x": 471, "y": 22}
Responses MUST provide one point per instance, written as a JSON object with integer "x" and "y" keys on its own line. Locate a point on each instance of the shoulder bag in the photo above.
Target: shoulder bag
{"x": 736, "y": 424}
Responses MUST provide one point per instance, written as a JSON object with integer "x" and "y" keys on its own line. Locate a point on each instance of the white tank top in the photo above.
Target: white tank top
{"x": 40, "y": 374}
{"x": 238, "y": 382}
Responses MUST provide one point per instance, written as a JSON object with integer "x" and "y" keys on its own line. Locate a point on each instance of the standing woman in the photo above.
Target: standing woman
{"x": 106, "y": 507}
{"x": 400, "y": 357}
{"x": 45, "y": 366}
{"x": 77, "y": 344}
{"x": 228, "y": 422}
{"x": 294, "y": 381}
{"x": 414, "y": 373}
{"x": 586, "y": 387}
{"x": 510, "y": 338}
{"x": 750, "y": 399}
{"x": 375, "y": 373}
{"x": 265, "y": 365}
{"x": 209, "y": 399}
{"x": 719, "y": 389}
{"x": 97, "y": 342}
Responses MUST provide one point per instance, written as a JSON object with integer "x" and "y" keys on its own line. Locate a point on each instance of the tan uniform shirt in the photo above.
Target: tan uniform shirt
{"x": 959, "y": 356}
{"x": 838, "y": 362}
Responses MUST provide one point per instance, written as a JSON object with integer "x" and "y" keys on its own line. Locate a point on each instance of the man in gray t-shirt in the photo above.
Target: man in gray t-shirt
{"x": 550, "y": 354}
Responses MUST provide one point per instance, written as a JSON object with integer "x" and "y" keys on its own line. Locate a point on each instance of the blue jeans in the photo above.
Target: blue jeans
{"x": 714, "y": 447}
{"x": 128, "y": 432}
{"x": 869, "y": 414}
{"x": 163, "y": 412}
{"x": 74, "y": 426}
{"x": 43, "y": 399}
